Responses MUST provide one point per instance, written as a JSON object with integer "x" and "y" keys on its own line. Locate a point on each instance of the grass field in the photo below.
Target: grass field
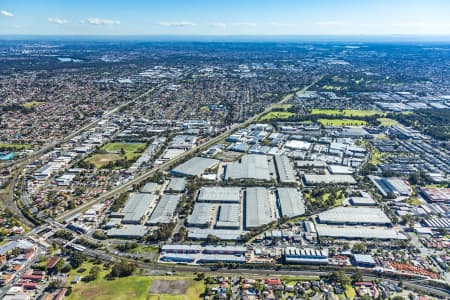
{"x": 134, "y": 287}
{"x": 345, "y": 112}
{"x": 101, "y": 160}
{"x": 276, "y": 115}
{"x": 341, "y": 122}
{"x": 14, "y": 146}
{"x": 350, "y": 292}
{"x": 385, "y": 122}
{"x": 30, "y": 104}
{"x": 132, "y": 150}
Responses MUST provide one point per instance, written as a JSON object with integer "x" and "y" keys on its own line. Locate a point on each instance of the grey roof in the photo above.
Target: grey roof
{"x": 165, "y": 209}
{"x": 149, "y": 187}
{"x": 285, "y": 169}
{"x": 362, "y": 201}
{"x": 176, "y": 184}
{"x": 224, "y": 234}
{"x": 195, "y": 166}
{"x": 21, "y": 244}
{"x": 364, "y": 258}
{"x": 128, "y": 231}
{"x": 229, "y": 216}
{"x": 257, "y": 207}
{"x": 202, "y": 214}
{"x": 251, "y": 166}
{"x": 137, "y": 207}
{"x": 312, "y": 179}
{"x": 219, "y": 194}
{"x": 354, "y": 215}
{"x": 290, "y": 202}
{"x": 358, "y": 232}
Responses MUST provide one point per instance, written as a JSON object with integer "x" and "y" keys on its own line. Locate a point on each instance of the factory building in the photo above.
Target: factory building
{"x": 290, "y": 202}
{"x": 217, "y": 194}
{"x": 258, "y": 210}
{"x": 229, "y": 216}
{"x": 294, "y": 255}
{"x": 136, "y": 208}
{"x": 252, "y": 166}
{"x": 285, "y": 169}
{"x": 165, "y": 210}
{"x": 195, "y": 167}
{"x": 354, "y": 216}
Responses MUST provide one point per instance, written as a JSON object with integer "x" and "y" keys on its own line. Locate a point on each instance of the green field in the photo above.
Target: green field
{"x": 133, "y": 287}
{"x": 341, "y": 122}
{"x": 101, "y": 160}
{"x": 14, "y": 146}
{"x": 30, "y": 104}
{"x": 276, "y": 115}
{"x": 345, "y": 112}
{"x": 385, "y": 122}
{"x": 132, "y": 150}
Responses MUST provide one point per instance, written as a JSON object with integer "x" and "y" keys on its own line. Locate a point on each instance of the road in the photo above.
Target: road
{"x": 178, "y": 158}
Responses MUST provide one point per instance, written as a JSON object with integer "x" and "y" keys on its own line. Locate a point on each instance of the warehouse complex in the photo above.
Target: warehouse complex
{"x": 165, "y": 210}
{"x": 137, "y": 208}
{"x": 258, "y": 210}
{"x": 354, "y": 216}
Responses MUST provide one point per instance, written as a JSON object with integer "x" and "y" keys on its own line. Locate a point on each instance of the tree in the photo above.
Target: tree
{"x": 359, "y": 248}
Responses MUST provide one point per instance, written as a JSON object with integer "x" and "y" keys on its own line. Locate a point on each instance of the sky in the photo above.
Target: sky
{"x": 225, "y": 17}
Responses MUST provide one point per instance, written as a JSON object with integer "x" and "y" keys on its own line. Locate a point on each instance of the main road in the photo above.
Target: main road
{"x": 178, "y": 158}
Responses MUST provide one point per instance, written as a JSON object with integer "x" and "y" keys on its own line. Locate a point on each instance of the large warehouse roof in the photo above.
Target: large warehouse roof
{"x": 312, "y": 179}
{"x": 290, "y": 202}
{"x": 223, "y": 234}
{"x": 195, "y": 166}
{"x": 285, "y": 169}
{"x": 229, "y": 216}
{"x": 165, "y": 209}
{"x": 202, "y": 214}
{"x": 257, "y": 207}
{"x": 176, "y": 185}
{"x": 354, "y": 215}
{"x": 217, "y": 194}
{"x": 251, "y": 166}
{"x": 149, "y": 187}
{"x": 127, "y": 231}
{"x": 137, "y": 207}
{"x": 358, "y": 232}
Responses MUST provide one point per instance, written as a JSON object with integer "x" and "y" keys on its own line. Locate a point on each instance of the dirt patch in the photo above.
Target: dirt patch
{"x": 171, "y": 287}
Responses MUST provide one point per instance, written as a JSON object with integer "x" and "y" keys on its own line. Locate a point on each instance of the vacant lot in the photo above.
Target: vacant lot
{"x": 341, "y": 122}
{"x": 172, "y": 287}
{"x": 101, "y": 160}
{"x": 30, "y": 104}
{"x": 345, "y": 112}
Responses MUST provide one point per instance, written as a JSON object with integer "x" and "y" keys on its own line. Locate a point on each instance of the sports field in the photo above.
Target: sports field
{"x": 341, "y": 122}
{"x": 385, "y": 122}
{"x": 345, "y": 112}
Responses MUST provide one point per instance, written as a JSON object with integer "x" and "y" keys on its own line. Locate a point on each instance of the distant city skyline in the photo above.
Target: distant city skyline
{"x": 222, "y": 18}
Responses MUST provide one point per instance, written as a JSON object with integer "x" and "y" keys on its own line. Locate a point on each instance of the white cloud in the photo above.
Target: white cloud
{"x": 6, "y": 13}
{"x": 249, "y": 24}
{"x": 176, "y": 24}
{"x": 331, "y": 23}
{"x": 98, "y": 21}
{"x": 219, "y": 25}
{"x": 58, "y": 21}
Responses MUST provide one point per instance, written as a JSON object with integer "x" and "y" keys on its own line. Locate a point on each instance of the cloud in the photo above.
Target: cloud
{"x": 219, "y": 25}
{"x": 249, "y": 24}
{"x": 331, "y": 23}
{"x": 98, "y": 21}
{"x": 176, "y": 24}
{"x": 58, "y": 21}
{"x": 6, "y": 13}
{"x": 277, "y": 24}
